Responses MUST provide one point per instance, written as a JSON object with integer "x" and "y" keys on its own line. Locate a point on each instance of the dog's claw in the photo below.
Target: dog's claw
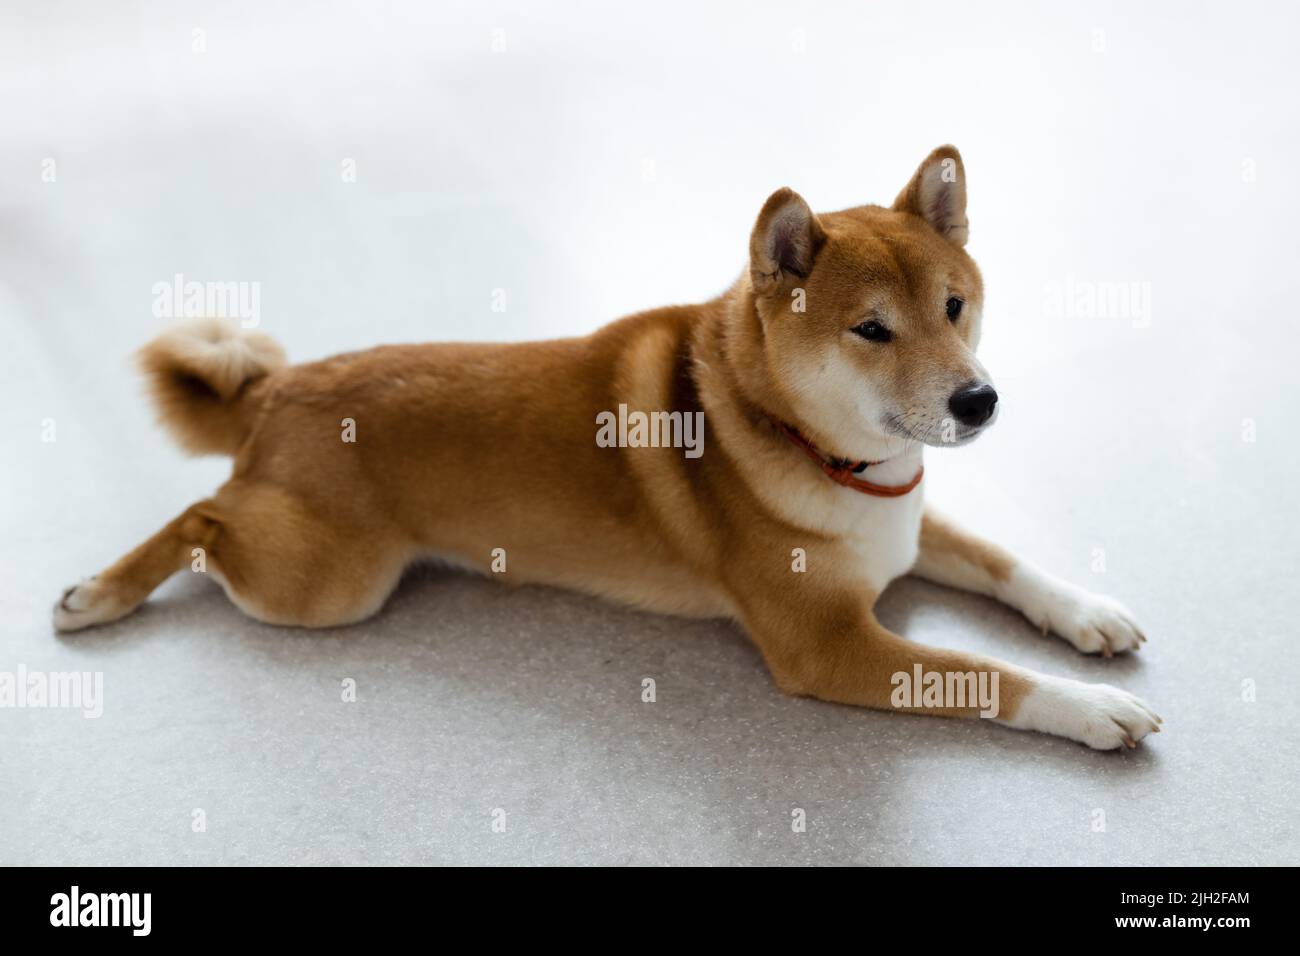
{"x": 1091, "y": 622}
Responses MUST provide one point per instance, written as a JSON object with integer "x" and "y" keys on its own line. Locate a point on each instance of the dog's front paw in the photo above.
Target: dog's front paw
{"x": 1101, "y": 716}
{"x": 1093, "y": 623}
{"x": 1096, "y": 624}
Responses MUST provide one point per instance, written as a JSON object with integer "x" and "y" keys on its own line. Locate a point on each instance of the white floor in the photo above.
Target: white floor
{"x": 403, "y": 175}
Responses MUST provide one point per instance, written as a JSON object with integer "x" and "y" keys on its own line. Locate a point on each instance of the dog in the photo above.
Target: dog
{"x": 820, "y": 376}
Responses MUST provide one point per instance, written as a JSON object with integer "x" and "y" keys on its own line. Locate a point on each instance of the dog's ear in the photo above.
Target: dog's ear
{"x": 786, "y": 239}
{"x": 937, "y": 193}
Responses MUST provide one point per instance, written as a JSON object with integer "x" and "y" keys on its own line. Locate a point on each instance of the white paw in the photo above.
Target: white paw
{"x": 1101, "y": 716}
{"x": 84, "y": 605}
{"x": 1093, "y": 623}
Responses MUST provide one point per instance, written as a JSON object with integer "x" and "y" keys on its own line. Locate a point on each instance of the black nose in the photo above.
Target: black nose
{"x": 973, "y": 404}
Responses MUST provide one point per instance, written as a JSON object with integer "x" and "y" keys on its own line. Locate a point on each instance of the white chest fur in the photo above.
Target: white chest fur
{"x": 883, "y": 534}
{"x": 886, "y": 536}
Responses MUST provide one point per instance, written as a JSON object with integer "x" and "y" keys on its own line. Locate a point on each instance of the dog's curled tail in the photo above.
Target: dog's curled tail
{"x": 199, "y": 373}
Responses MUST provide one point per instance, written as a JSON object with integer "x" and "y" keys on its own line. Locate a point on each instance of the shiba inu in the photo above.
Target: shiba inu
{"x": 820, "y": 376}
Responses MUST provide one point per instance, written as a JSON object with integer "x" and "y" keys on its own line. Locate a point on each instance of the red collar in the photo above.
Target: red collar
{"x": 843, "y": 472}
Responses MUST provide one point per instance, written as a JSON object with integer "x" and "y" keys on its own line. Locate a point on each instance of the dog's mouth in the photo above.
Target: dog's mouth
{"x": 965, "y": 435}
{"x": 937, "y": 431}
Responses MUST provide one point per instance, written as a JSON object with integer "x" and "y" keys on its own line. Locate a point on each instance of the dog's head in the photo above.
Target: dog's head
{"x": 871, "y": 315}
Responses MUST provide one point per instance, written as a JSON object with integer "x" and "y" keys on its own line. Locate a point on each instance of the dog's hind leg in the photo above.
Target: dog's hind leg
{"x": 286, "y": 560}
{"x": 122, "y": 587}
{"x": 279, "y": 559}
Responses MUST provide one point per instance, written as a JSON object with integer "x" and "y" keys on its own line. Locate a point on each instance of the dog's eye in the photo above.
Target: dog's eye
{"x": 953, "y": 308}
{"x": 873, "y": 332}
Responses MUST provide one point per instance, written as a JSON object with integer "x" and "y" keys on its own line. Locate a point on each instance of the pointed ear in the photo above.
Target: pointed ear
{"x": 937, "y": 193}
{"x": 786, "y": 239}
